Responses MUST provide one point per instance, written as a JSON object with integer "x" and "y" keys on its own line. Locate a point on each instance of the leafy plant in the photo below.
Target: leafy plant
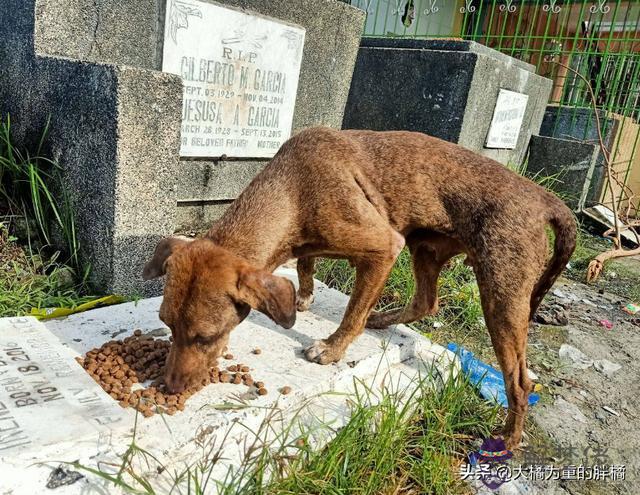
{"x": 27, "y": 182}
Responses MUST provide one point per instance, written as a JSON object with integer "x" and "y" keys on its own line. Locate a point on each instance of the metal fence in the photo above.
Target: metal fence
{"x": 600, "y": 39}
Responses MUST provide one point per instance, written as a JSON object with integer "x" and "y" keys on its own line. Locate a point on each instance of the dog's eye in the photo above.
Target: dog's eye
{"x": 203, "y": 340}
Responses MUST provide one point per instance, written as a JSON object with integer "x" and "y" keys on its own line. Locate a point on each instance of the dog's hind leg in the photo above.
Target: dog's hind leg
{"x": 428, "y": 258}
{"x": 306, "y": 268}
{"x": 506, "y": 311}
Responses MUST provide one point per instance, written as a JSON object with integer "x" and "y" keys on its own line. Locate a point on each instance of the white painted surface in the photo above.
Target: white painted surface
{"x": 42, "y": 385}
{"x": 507, "y": 120}
{"x": 396, "y": 358}
{"x": 240, "y": 75}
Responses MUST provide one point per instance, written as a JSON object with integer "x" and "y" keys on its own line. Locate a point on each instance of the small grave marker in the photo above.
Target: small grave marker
{"x": 507, "y": 120}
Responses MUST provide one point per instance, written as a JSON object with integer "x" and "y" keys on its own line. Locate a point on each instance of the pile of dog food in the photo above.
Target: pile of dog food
{"x": 121, "y": 366}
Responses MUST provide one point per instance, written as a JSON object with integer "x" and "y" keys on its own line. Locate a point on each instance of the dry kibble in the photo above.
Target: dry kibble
{"x": 256, "y": 351}
{"x": 285, "y": 390}
{"x": 119, "y": 364}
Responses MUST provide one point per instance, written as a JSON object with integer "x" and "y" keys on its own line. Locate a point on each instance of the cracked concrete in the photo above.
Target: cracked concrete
{"x": 94, "y": 41}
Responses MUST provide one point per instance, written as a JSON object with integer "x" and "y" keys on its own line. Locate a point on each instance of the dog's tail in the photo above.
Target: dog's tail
{"x": 564, "y": 227}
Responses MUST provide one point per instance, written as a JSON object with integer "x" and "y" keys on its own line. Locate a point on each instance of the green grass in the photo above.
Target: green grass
{"x": 29, "y": 280}
{"x": 32, "y": 190}
{"x": 460, "y": 312}
{"x": 400, "y": 441}
{"x": 39, "y": 265}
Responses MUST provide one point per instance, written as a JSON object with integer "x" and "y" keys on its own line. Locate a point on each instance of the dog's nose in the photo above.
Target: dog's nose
{"x": 175, "y": 385}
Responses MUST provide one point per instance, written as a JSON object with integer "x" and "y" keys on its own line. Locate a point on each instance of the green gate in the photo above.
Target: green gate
{"x": 599, "y": 39}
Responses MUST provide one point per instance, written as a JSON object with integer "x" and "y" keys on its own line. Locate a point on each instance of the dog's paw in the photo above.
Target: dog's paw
{"x": 322, "y": 353}
{"x": 304, "y": 302}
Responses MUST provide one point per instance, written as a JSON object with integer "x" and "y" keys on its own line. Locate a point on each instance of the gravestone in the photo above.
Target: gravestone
{"x": 117, "y": 119}
{"x": 459, "y": 91}
{"x": 579, "y": 124}
{"x": 569, "y": 163}
{"x": 41, "y": 385}
{"x": 240, "y": 85}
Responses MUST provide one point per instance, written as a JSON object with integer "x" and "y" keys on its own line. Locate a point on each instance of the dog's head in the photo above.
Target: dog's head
{"x": 208, "y": 292}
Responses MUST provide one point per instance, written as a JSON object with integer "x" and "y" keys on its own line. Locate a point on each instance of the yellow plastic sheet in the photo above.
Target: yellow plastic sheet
{"x": 46, "y": 313}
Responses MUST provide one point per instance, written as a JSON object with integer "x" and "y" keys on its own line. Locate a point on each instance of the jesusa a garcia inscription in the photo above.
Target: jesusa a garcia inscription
{"x": 240, "y": 75}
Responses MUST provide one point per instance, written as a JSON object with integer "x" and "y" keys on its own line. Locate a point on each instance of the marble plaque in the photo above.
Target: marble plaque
{"x": 240, "y": 75}
{"x": 46, "y": 398}
{"x": 507, "y": 120}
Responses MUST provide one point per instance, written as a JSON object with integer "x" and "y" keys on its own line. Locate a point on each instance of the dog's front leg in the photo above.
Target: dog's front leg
{"x": 371, "y": 275}
{"x": 306, "y": 268}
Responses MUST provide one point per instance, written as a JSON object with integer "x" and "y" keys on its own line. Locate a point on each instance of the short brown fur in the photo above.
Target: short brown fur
{"x": 361, "y": 195}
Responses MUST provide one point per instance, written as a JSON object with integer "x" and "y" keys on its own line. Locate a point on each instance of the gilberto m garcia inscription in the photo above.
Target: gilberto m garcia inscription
{"x": 240, "y": 75}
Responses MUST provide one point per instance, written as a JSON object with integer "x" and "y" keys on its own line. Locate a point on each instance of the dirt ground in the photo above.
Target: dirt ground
{"x": 590, "y": 377}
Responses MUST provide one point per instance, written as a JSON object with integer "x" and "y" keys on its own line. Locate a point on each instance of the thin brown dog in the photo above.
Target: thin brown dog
{"x": 362, "y": 195}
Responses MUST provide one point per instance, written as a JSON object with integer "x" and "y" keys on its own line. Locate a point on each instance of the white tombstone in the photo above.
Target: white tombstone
{"x": 240, "y": 75}
{"x": 507, "y": 120}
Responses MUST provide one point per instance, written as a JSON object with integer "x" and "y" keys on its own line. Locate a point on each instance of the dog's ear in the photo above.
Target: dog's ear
{"x": 156, "y": 266}
{"x": 274, "y": 296}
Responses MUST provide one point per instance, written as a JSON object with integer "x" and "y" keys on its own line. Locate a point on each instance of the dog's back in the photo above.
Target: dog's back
{"x": 418, "y": 181}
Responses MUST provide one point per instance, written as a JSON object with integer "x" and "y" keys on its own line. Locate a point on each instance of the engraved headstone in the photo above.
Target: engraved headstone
{"x": 240, "y": 75}
{"x": 507, "y": 120}
{"x": 46, "y": 398}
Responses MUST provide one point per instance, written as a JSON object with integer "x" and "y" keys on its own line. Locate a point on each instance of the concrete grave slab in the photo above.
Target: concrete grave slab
{"x": 579, "y": 124}
{"x": 40, "y": 385}
{"x": 571, "y": 161}
{"x": 444, "y": 88}
{"x": 394, "y": 359}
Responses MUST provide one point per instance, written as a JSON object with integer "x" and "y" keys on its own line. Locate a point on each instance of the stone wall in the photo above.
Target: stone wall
{"x": 131, "y": 33}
